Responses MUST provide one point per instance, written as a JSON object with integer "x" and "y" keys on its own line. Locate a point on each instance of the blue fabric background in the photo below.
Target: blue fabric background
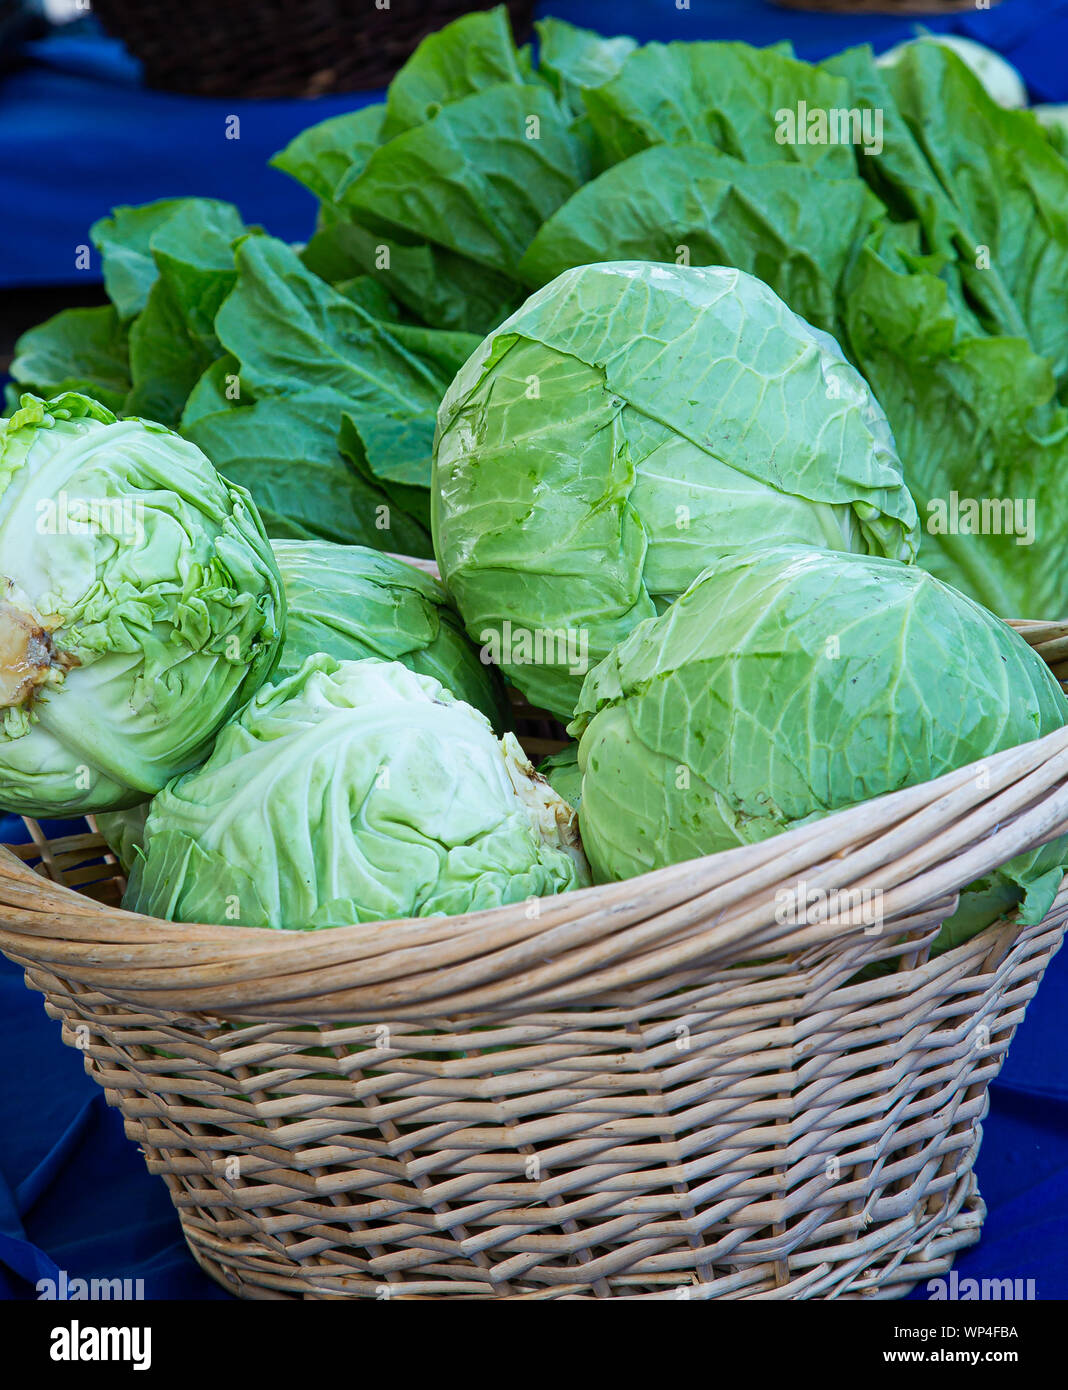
{"x": 79, "y": 135}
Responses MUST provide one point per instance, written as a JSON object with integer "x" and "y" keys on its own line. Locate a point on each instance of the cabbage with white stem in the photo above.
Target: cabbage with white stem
{"x": 354, "y": 791}
{"x": 141, "y": 607}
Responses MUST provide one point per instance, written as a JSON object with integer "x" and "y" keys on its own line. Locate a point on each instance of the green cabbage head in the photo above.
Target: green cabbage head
{"x": 793, "y": 682}
{"x": 140, "y": 607}
{"x": 354, "y": 791}
{"x": 350, "y": 602}
{"x": 626, "y": 426}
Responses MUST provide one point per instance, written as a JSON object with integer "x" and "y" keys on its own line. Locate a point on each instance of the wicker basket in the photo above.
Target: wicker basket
{"x": 273, "y": 48}
{"x": 654, "y": 1089}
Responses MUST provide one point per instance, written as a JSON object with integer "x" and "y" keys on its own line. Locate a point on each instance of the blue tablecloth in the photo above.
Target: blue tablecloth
{"x": 78, "y": 135}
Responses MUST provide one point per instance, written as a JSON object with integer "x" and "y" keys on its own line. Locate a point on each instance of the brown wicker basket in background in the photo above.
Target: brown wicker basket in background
{"x": 274, "y": 48}
{"x": 651, "y": 1089}
{"x": 917, "y": 7}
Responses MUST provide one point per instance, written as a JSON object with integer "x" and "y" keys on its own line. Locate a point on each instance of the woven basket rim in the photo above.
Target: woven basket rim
{"x": 952, "y": 830}
{"x": 733, "y": 862}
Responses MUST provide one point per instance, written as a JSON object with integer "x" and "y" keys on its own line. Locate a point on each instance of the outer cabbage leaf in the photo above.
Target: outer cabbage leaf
{"x": 194, "y": 251}
{"x": 124, "y": 242}
{"x": 984, "y": 185}
{"x": 124, "y": 832}
{"x": 166, "y": 361}
{"x": 295, "y": 337}
{"x": 1001, "y": 80}
{"x": 1053, "y": 121}
{"x": 1010, "y": 190}
{"x": 309, "y": 359}
{"x": 562, "y": 772}
{"x": 446, "y": 290}
{"x": 289, "y": 456}
{"x": 373, "y": 298}
{"x": 167, "y": 267}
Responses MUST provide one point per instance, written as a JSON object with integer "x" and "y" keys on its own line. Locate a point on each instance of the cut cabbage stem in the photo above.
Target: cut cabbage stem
{"x": 29, "y": 657}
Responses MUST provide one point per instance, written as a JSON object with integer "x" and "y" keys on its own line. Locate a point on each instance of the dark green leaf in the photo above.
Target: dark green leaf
{"x": 296, "y": 337}
{"x": 194, "y": 251}
{"x": 479, "y": 179}
{"x": 321, "y": 156}
{"x": 786, "y": 223}
{"x": 975, "y": 423}
{"x": 372, "y": 297}
{"x": 723, "y": 94}
{"x": 82, "y": 350}
{"x": 446, "y": 290}
{"x": 166, "y": 361}
{"x": 219, "y": 389}
{"x": 570, "y": 58}
{"x": 123, "y": 240}
{"x": 474, "y": 52}
{"x": 286, "y": 453}
{"x": 412, "y": 503}
{"x": 1009, "y": 189}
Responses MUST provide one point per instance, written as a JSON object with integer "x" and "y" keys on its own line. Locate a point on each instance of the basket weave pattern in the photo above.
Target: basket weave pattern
{"x": 651, "y": 1089}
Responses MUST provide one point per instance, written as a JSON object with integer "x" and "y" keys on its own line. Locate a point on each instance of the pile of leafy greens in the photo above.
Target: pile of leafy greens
{"x": 306, "y": 393}
{"x": 933, "y": 246}
{"x": 937, "y": 255}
